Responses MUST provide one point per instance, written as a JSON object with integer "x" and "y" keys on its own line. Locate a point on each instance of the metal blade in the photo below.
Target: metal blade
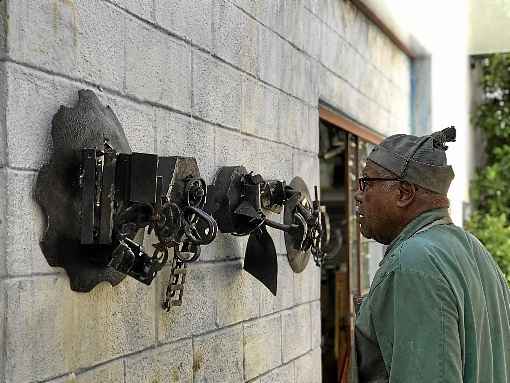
{"x": 260, "y": 259}
{"x": 298, "y": 259}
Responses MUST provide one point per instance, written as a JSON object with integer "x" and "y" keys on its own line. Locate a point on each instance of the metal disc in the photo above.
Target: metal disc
{"x": 297, "y": 259}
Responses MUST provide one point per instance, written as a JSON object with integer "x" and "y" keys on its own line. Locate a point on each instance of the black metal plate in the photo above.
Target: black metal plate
{"x": 260, "y": 260}
{"x": 223, "y": 198}
{"x": 86, "y": 125}
{"x": 297, "y": 259}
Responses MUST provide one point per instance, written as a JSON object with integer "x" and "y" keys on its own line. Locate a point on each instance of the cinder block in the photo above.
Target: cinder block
{"x": 303, "y": 283}
{"x": 370, "y": 80}
{"x": 384, "y": 121}
{"x": 87, "y": 38}
{"x": 286, "y": 120}
{"x": 99, "y": 30}
{"x": 296, "y": 337}
{"x": 341, "y": 94}
{"x": 141, "y": 8}
{"x": 331, "y": 12}
{"x": 250, "y": 108}
{"x": 285, "y": 294}
{"x": 259, "y": 109}
{"x": 225, "y": 247}
{"x": 249, "y": 6}
{"x": 283, "y": 374}
{"x": 51, "y": 330}
{"x": 198, "y": 311}
{"x": 158, "y": 67}
{"x": 216, "y": 91}
{"x": 3, "y": 112}
{"x": 268, "y": 114}
{"x": 3, "y": 29}
{"x": 270, "y": 50}
{"x": 31, "y": 23}
{"x": 316, "y": 284}
{"x": 356, "y": 28}
{"x": 312, "y": 41}
{"x": 317, "y": 365}
{"x": 306, "y": 166}
{"x": 289, "y": 68}
{"x": 299, "y": 80}
{"x": 334, "y": 48}
{"x": 137, "y": 121}
{"x": 292, "y": 21}
{"x": 306, "y": 369}
{"x": 354, "y": 70}
{"x": 313, "y": 6}
{"x": 3, "y": 222}
{"x": 190, "y": 19}
{"x": 218, "y": 357}
{"x": 313, "y": 126}
{"x": 276, "y": 161}
{"x": 315, "y": 308}
{"x": 170, "y": 363}
{"x": 2, "y": 331}
{"x": 234, "y": 149}
{"x": 387, "y": 49}
{"x": 262, "y": 346}
{"x": 270, "y": 13}
{"x": 237, "y": 292}
{"x": 112, "y": 372}
{"x": 179, "y": 135}
{"x": 234, "y": 36}
{"x": 25, "y": 226}
{"x": 374, "y": 45}
{"x": 303, "y": 136}
{"x": 29, "y": 133}
{"x": 295, "y": 122}
{"x": 382, "y": 94}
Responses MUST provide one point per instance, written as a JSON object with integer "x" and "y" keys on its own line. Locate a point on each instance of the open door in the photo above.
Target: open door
{"x": 352, "y": 259}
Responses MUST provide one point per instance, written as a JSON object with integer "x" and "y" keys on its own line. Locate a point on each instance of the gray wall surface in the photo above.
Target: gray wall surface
{"x": 228, "y": 82}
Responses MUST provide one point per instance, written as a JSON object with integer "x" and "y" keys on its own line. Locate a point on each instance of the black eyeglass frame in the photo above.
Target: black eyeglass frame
{"x": 363, "y": 181}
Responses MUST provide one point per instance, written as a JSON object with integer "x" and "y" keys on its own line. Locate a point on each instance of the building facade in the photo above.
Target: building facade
{"x": 238, "y": 82}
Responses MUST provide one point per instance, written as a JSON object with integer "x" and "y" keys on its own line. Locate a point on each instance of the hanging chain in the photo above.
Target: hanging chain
{"x": 198, "y": 228}
{"x": 175, "y": 288}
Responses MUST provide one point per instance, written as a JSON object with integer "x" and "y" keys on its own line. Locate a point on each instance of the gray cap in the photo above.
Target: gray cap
{"x": 418, "y": 160}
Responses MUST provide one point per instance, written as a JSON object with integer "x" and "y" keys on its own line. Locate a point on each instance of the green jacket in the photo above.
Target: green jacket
{"x": 438, "y": 310}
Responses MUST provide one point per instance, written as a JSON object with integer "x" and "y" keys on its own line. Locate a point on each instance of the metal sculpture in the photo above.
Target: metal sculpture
{"x": 99, "y": 198}
{"x": 239, "y": 201}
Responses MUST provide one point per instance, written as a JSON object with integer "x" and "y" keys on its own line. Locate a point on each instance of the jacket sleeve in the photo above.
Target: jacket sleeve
{"x": 416, "y": 321}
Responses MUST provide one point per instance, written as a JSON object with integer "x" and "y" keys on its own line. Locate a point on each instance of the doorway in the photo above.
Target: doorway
{"x": 351, "y": 259}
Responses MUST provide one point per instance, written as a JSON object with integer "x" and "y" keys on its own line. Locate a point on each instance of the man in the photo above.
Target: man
{"x": 438, "y": 309}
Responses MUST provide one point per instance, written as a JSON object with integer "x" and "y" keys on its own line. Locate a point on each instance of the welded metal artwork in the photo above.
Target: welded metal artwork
{"x": 239, "y": 201}
{"x": 100, "y": 198}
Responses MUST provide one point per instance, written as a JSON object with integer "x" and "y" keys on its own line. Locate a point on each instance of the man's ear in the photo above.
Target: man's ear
{"x": 406, "y": 194}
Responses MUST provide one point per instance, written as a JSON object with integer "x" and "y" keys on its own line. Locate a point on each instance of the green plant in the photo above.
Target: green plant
{"x": 490, "y": 190}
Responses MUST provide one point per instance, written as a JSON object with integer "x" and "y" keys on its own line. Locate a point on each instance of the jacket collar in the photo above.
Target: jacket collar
{"x": 418, "y": 223}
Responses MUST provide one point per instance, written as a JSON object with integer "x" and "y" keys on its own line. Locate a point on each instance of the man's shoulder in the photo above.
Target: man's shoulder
{"x": 428, "y": 251}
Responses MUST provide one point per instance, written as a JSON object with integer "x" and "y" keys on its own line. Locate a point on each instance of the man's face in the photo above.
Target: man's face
{"x": 376, "y": 206}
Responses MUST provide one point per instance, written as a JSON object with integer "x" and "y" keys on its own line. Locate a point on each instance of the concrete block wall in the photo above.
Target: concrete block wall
{"x": 228, "y": 82}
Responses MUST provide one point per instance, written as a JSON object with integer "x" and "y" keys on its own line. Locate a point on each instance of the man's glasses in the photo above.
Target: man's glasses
{"x": 363, "y": 181}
